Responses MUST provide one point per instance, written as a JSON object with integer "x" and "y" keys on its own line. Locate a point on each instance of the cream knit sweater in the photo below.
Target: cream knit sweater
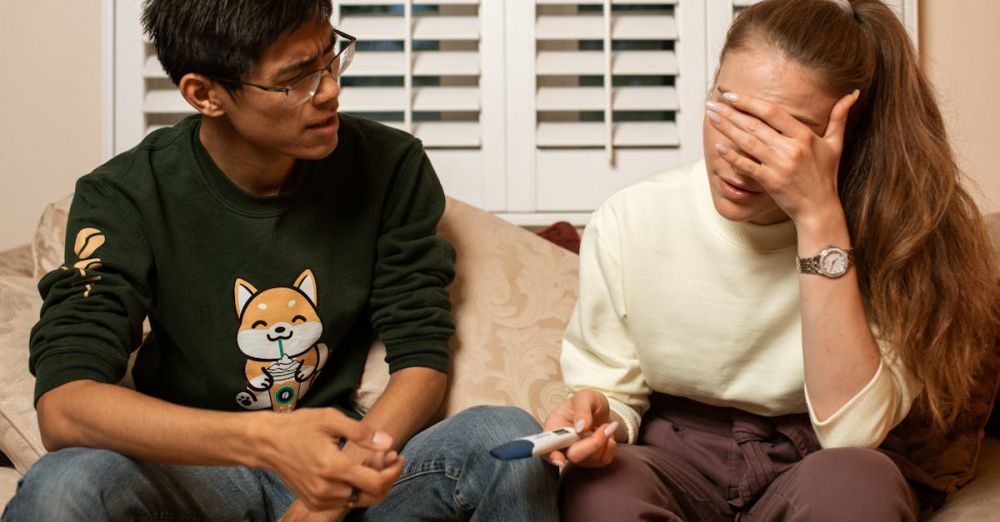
{"x": 676, "y": 299}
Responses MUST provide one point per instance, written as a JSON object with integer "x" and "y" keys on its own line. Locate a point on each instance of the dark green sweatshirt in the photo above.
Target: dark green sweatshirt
{"x": 254, "y": 302}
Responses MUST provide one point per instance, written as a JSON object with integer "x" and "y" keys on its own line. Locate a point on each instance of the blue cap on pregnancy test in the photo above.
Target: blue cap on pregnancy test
{"x": 515, "y": 449}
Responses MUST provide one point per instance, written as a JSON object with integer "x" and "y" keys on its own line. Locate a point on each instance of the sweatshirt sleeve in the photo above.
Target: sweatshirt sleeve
{"x": 597, "y": 349}
{"x": 867, "y": 418}
{"x": 94, "y": 305}
{"x": 409, "y": 301}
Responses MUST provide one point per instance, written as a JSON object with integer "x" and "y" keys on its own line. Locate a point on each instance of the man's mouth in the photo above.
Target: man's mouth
{"x": 323, "y": 124}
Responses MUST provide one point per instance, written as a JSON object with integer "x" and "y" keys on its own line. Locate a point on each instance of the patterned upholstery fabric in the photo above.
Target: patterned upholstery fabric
{"x": 19, "y": 437}
{"x": 511, "y": 299}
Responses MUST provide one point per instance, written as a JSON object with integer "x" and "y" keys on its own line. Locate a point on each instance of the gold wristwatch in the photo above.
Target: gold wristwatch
{"x": 832, "y": 262}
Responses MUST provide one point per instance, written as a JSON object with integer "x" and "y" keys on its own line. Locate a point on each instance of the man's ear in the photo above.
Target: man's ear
{"x": 203, "y": 94}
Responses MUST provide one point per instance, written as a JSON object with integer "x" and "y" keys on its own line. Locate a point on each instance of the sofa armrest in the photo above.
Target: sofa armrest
{"x": 16, "y": 262}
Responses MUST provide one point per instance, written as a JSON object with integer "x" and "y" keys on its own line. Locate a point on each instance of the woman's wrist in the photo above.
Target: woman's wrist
{"x": 822, "y": 229}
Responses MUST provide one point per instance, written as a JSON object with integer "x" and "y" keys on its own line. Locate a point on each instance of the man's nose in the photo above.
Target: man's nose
{"x": 328, "y": 89}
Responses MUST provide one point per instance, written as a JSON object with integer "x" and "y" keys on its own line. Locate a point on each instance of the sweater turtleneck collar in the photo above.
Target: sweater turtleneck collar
{"x": 743, "y": 234}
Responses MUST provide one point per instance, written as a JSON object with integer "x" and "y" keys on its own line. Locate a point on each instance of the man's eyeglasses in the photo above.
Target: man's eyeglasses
{"x": 303, "y": 89}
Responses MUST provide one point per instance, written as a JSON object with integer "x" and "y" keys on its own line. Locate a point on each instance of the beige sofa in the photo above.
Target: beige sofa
{"x": 512, "y": 298}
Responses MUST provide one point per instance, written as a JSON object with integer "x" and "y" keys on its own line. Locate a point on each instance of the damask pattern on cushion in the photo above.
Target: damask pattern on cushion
{"x": 8, "y": 484}
{"x": 47, "y": 250}
{"x": 16, "y": 261}
{"x": 19, "y": 437}
{"x": 512, "y": 297}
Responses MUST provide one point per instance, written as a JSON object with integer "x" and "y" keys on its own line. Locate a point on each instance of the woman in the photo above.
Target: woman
{"x": 719, "y": 377}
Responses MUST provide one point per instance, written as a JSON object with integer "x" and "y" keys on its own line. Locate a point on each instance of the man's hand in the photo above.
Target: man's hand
{"x": 302, "y": 448}
{"x": 375, "y": 459}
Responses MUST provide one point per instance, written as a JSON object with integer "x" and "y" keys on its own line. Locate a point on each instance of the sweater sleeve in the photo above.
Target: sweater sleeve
{"x": 93, "y": 305}
{"x": 597, "y": 349}
{"x": 868, "y": 417}
{"x": 409, "y": 301}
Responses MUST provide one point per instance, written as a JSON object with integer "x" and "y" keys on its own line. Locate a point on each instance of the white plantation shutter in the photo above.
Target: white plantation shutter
{"x": 420, "y": 67}
{"x": 610, "y": 85}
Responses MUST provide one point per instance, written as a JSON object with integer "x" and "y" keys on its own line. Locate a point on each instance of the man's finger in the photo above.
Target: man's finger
{"x": 338, "y": 424}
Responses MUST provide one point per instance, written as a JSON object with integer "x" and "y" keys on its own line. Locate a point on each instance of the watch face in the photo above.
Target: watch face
{"x": 833, "y": 262}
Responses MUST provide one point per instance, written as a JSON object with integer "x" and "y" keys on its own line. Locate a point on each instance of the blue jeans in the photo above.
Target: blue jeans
{"x": 448, "y": 475}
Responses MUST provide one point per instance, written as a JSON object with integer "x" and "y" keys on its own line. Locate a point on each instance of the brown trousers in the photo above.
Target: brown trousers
{"x": 702, "y": 463}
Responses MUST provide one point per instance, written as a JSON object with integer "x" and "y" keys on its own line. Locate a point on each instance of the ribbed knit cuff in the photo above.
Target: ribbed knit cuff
{"x": 864, "y": 420}
{"x": 628, "y": 416}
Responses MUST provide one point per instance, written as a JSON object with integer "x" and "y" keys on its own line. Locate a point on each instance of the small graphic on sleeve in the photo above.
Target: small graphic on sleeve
{"x": 88, "y": 240}
{"x": 279, "y": 330}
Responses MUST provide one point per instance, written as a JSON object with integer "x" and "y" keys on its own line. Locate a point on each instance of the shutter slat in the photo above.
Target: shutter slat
{"x": 390, "y": 99}
{"x": 592, "y": 134}
{"x": 163, "y": 101}
{"x": 367, "y": 3}
{"x": 425, "y": 63}
{"x": 392, "y": 27}
{"x": 440, "y": 134}
{"x": 445, "y": 28}
{"x": 575, "y": 63}
{"x": 374, "y": 27}
{"x": 591, "y": 27}
{"x": 152, "y": 68}
{"x": 592, "y": 98}
{"x": 615, "y": 2}
{"x": 446, "y": 99}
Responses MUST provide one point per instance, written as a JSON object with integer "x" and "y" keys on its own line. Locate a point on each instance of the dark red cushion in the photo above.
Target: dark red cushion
{"x": 562, "y": 234}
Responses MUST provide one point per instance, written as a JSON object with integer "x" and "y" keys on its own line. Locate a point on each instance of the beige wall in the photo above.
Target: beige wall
{"x": 50, "y": 131}
{"x": 960, "y": 44}
{"x": 50, "y": 111}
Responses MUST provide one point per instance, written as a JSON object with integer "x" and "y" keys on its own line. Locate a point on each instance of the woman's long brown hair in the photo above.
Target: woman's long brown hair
{"x": 924, "y": 262}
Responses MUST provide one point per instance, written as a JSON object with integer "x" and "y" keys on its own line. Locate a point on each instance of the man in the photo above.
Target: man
{"x": 267, "y": 239}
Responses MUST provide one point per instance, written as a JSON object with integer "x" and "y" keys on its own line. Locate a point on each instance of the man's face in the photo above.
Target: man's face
{"x": 262, "y": 118}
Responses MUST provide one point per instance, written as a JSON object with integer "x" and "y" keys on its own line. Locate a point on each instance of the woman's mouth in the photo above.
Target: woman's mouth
{"x": 733, "y": 191}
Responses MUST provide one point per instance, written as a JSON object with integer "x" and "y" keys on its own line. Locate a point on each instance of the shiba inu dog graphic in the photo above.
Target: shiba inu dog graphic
{"x": 279, "y": 330}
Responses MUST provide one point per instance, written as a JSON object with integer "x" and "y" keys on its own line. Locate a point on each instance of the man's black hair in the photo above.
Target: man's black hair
{"x": 222, "y": 39}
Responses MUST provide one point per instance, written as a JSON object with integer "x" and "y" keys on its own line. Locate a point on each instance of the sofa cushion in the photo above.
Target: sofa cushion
{"x": 19, "y": 307}
{"x": 512, "y": 296}
{"x": 48, "y": 247}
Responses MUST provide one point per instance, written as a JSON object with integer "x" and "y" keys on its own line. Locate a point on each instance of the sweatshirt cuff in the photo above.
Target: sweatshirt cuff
{"x": 864, "y": 420}
{"x": 630, "y": 418}
{"x": 57, "y": 369}
{"x": 425, "y": 353}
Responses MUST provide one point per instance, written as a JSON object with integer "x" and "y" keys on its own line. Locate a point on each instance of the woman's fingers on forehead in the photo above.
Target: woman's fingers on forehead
{"x": 770, "y": 113}
{"x": 747, "y": 122}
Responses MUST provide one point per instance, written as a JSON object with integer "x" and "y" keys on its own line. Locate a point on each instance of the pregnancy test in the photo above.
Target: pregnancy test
{"x": 536, "y": 445}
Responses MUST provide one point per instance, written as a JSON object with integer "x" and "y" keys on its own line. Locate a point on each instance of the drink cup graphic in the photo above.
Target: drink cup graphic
{"x": 284, "y": 389}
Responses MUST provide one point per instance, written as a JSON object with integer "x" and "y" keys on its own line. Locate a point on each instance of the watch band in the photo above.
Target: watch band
{"x": 814, "y": 264}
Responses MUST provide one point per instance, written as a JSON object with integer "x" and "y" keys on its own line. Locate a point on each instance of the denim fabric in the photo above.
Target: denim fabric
{"x": 449, "y": 475}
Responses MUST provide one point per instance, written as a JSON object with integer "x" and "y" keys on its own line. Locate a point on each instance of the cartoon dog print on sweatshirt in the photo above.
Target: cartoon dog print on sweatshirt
{"x": 279, "y": 330}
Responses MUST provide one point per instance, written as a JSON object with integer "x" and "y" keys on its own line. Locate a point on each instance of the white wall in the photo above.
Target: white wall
{"x": 959, "y": 42}
{"x": 50, "y": 111}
